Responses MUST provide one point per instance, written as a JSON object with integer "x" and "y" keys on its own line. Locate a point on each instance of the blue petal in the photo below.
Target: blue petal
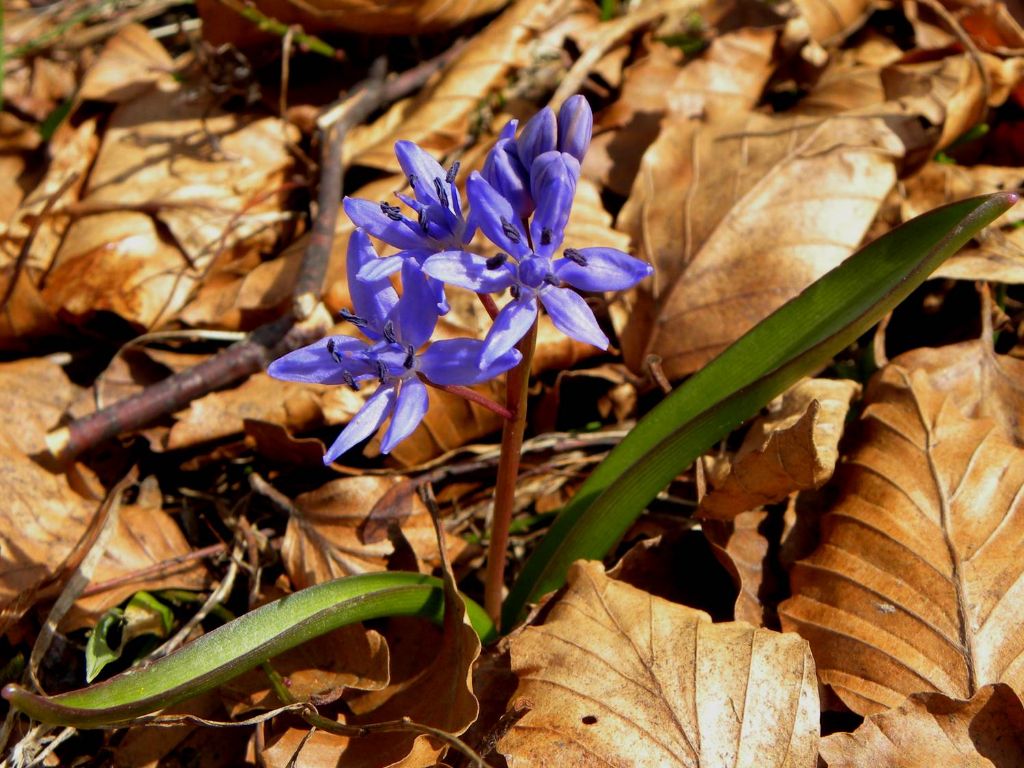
{"x": 416, "y": 313}
{"x": 606, "y": 269}
{"x": 410, "y": 409}
{"x": 511, "y": 324}
{"x": 571, "y": 315}
{"x": 553, "y": 178}
{"x": 315, "y": 364}
{"x": 505, "y": 172}
{"x": 493, "y": 214}
{"x": 539, "y": 136}
{"x": 368, "y": 215}
{"x": 379, "y": 269}
{"x": 423, "y": 172}
{"x": 468, "y": 270}
{"x": 509, "y": 130}
{"x": 364, "y": 423}
{"x": 575, "y": 124}
{"x": 372, "y": 300}
{"x": 457, "y": 361}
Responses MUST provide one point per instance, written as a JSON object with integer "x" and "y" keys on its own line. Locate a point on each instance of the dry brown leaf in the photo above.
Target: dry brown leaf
{"x": 916, "y": 583}
{"x": 981, "y": 383}
{"x": 439, "y": 117}
{"x": 323, "y": 541}
{"x": 145, "y": 536}
{"x": 213, "y": 184}
{"x": 930, "y": 729}
{"x": 350, "y": 657}
{"x": 853, "y": 78}
{"x": 829, "y": 21}
{"x": 725, "y": 216}
{"x": 794, "y": 448}
{"x": 299, "y": 407}
{"x": 130, "y": 63}
{"x": 949, "y": 93}
{"x": 41, "y": 522}
{"x": 616, "y": 676}
{"x": 35, "y": 395}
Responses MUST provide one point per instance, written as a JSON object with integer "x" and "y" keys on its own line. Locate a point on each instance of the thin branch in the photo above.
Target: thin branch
{"x": 473, "y": 396}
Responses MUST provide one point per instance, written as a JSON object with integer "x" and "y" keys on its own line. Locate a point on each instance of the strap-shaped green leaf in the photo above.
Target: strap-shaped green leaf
{"x": 794, "y": 341}
{"x": 243, "y": 644}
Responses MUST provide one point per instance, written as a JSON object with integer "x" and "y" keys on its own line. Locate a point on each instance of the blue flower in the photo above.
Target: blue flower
{"x": 439, "y": 224}
{"x": 397, "y": 328}
{"x": 525, "y": 265}
{"x": 509, "y": 165}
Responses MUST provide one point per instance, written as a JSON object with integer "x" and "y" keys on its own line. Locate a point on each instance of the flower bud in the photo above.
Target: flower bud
{"x": 539, "y": 136}
{"x": 504, "y": 171}
{"x": 575, "y": 125}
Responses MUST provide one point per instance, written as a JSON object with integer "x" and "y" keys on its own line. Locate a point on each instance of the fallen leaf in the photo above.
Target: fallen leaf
{"x": 440, "y": 115}
{"x": 348, "y": 658}
{"x": 145, "y": 536}
{"x": 618, "y": 677}
{"x": 980, "y": 383}
{"x": 829, "y": 21}
{"x": 932, "y": 729}
{"x": 131, "y": 62}
{"x": 913, "y": 587}
{"x": 794, "y": 448}
{"x": 323, "y": 541}
{"x": 34, "y": 394}
{"x": 724, "y": 215}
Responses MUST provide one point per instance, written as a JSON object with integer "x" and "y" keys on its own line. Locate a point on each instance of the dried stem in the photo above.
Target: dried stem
{"x": 508, "y": 472}
{"x": 271, "y": 25}
{"x": 473, "y": 396}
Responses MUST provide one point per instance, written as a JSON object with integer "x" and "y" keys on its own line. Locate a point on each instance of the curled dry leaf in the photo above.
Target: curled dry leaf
{"x": 440, "y": 116}
{"x": 129, "y": 64}
{"x": 616, "y": 676}
{"x": 829, "y": 21}
{"x": 211, "y": 183}
{"x": 724, "y": 214}
{"x": 794, "y": 448}
{"x": 145, "y": 536}
{"x": 916, "y": 584}
{"x": 986, "y": 731}
{"x": 323, "y": 541}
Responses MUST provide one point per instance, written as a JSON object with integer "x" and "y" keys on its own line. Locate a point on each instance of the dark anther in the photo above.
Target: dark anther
{"x": 451, "y": 172}
{"x": 496, "y": 261}
{"x": 382, "y": 371}
{"x": 412, "y": 181}
{"x": 393, "y": 212}
{"x": 442, "y": 194}
{"x": 349, "y": 379}
{"x": 389, "y": 332}
{"x": 422, "y": 219}
{"x": 332, "y": 351}
{"x": 545, "y": 236}
{"x": 514, "y": 290}
{"x": 356, "y": 320}
{"x": 551, "y": 279}
{"x": 576, "y": 257}
{"x": 510, "y": 232}
{"x": 410, "y": 356}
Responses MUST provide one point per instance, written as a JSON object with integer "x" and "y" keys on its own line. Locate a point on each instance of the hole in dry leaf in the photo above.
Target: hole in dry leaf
{"x": 589, "y": 719}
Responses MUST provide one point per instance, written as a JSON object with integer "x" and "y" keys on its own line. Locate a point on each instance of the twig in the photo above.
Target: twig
{"x": 271, "y": 25}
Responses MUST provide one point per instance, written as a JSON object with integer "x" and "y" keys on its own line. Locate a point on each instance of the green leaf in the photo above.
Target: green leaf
{"x": 99, "y": 650}
{"x": 794, "y": 341}
{"x": 243, "y": 644}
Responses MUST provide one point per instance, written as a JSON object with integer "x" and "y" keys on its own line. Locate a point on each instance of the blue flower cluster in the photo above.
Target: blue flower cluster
{"x": 521, "y": 202}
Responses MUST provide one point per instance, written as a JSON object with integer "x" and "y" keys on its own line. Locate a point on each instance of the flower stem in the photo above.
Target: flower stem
{"x": 508, "y": 472}
{"x": 473, "y": 396}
